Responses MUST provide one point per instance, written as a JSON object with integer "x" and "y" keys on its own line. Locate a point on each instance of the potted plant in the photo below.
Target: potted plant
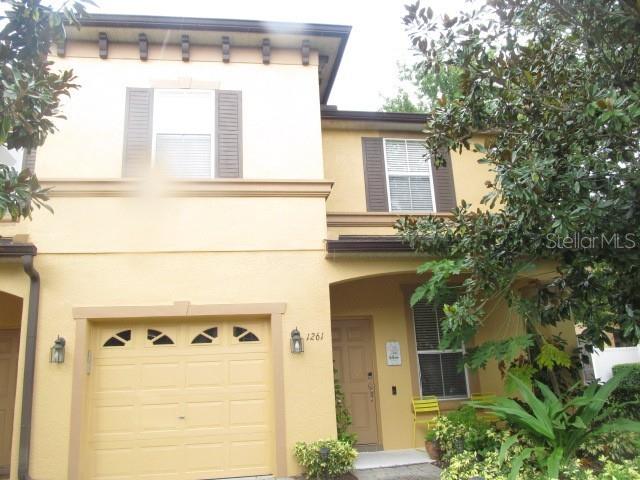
{"x": 431, "y": 445}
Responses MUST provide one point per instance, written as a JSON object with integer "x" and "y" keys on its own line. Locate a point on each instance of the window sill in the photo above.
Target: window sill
{"x": 187, "y": 188}
{"x": 373, "y": 219}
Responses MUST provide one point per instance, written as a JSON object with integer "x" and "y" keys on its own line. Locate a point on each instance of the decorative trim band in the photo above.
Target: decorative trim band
{"x": 372, "y": 219}
{"x": 178, "y": 309}
{"x": 188, "y": 188}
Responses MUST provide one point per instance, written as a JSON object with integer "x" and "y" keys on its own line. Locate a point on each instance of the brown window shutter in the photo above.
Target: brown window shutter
{"x": 375, "y": 176}
{"x": 138, "y": 131}
{"x": 228, "y": 134}
{"x": 29, "y": 160}
{"x": 445, "y": 192}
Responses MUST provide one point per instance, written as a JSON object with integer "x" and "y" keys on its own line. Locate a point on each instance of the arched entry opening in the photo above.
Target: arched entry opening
{"x": 10, "y": 319}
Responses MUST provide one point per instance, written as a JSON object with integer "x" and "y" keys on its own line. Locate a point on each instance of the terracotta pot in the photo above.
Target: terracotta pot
{"x": 433, "y": 449}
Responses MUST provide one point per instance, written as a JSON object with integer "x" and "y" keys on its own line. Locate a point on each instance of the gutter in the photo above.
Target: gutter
{"x": 26, "y": 252}
{"x": 29, "y": 368}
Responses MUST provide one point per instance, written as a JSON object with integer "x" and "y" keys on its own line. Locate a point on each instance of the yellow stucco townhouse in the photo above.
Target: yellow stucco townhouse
{"x": 209, "y": 208}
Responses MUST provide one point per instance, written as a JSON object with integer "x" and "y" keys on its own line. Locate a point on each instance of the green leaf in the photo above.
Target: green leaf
{"x": 619, "y": 425}
{"x": 553, "y": 463}
{"x": 517, "y": 462}
{"x": 506, "y": 446}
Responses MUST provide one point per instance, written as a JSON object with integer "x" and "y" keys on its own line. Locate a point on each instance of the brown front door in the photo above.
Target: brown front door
{"x": 353, "y": 359}
{"x": 8, "y": 372}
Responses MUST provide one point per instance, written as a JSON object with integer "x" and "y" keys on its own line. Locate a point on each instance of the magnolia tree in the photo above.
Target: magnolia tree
{"x": 30, "y": 92}
{"x": 556, "y": 84}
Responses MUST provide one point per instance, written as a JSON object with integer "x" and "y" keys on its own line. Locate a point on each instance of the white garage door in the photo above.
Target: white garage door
{"x": 180, "y": 401}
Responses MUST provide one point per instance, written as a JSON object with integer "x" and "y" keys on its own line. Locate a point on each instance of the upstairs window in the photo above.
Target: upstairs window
{"x": 183, "y": 132}
{"x": 409, "y": 179}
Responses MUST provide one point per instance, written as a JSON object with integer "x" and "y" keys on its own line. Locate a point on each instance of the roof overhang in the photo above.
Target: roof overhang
{"x": 357, "y": 120}
{"x": 329, "y": 40}
{"x": 9, "y": 248}
{"x": 368, "y": 244}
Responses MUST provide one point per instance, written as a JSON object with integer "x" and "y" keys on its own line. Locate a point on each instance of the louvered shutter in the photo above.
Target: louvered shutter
{"x": 375, "y": 177}
{"x": 184, "y": 156}
{"x": 445, "y": 192}
{"x": 228, "y": 134}
{"x": 138, "y": 132}
{"x": 426, "y": 326}
{"x": 29, "y": 160}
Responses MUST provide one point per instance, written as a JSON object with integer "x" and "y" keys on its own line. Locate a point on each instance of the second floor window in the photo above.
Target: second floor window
{"x": 183, "y": 132}
{"x": 409, "y": 180}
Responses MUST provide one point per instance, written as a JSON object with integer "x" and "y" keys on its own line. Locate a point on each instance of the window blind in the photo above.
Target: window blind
{"x": 184, "y": 156}
{"x": 440, "y": 374}
{"x": 409, "y": 176}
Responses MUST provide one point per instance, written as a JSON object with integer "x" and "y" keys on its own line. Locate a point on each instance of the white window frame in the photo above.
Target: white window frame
{"x": 433, "y": 352}
{"x": 155, "y": 130}
{"x": 407, "y": 174}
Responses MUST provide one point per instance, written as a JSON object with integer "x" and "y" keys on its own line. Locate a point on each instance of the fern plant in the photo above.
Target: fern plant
{"x": 553, "y": 429}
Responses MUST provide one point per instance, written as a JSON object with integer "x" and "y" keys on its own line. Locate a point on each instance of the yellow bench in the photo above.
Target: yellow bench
{"x": 422, "y": 406}
{"x": 487, "y": 398}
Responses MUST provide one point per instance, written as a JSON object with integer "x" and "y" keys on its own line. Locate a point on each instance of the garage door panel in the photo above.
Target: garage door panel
{"x": 206, "y": 373}
{"x": 251, "y": 412}
{"x": 245, "y": 454}
{"x": 248, "y": 372}
{"x": 113, "y": 463}
{"x": 206, "y": 414}
{"x": 205, "y": 458}
{"x": 112, "y": 378}
{"x": 161, "y": 375}
{"x": 166, "y": 458}
{"x": 114, "y": 419}
{"x": 181, "y": 411}
{"x": 160, "y": 417}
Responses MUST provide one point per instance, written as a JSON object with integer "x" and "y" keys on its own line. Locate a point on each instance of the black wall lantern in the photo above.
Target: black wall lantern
{"x": 57, "y": 351}
{"x": 297, "y": 345}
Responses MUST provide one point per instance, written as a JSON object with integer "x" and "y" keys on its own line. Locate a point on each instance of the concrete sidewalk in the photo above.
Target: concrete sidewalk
{"x": 411, "y": 464}
{"x": 421, "y": 471}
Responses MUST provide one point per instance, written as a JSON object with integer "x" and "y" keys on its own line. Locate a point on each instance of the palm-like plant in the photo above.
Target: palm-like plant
{"x": 556, "y": 428}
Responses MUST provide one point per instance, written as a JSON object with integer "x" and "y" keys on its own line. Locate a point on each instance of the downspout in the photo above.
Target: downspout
{"x": 29, "y": 368}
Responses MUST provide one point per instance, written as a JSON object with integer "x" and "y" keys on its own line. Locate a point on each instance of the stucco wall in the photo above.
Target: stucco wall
{"x": 293, "y": 277}
{"x": 281, "y": 112}
{"x": 343, "y": 163}
{"x": 115, "y": 251}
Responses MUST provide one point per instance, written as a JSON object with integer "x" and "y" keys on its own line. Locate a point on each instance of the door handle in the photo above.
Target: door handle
{"x": 371, "y": 386}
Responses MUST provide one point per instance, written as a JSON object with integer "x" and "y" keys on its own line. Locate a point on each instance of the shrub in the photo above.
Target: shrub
{"x": 554, "y": 427}
{"x": 340, "y": 459}
{"x": 624, "y": 402}
{"x": 615, "y": 446}
{"x": 465, "y": 465}
{"x": 460, "y": 431}
{"x": 627, "y": 470}
{"x": 625, "y": 399}
{"x": 632, "y": 380}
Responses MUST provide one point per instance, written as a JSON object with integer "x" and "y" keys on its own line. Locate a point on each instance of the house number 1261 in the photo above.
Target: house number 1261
{"x": 315, "y": 336}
